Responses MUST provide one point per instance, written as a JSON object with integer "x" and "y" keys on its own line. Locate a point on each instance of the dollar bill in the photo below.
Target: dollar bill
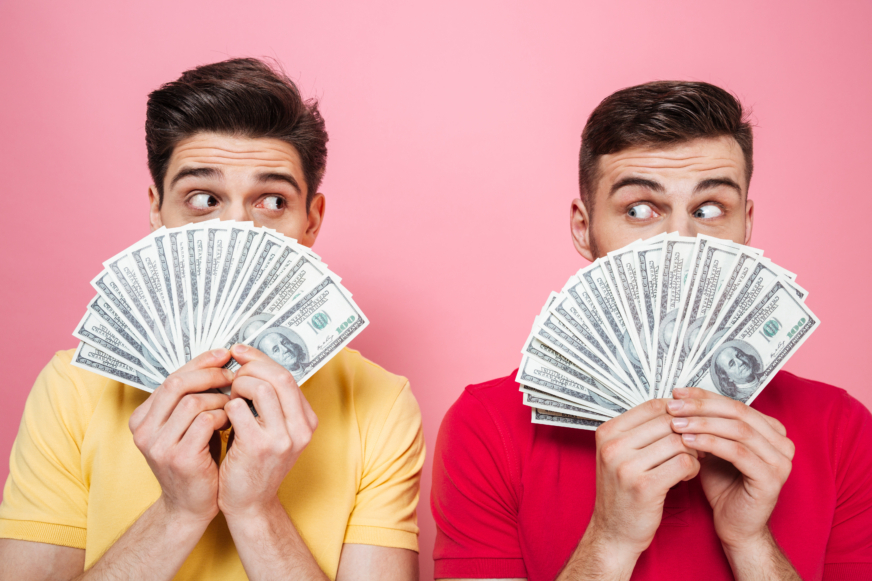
{"x": 310, "y": 331}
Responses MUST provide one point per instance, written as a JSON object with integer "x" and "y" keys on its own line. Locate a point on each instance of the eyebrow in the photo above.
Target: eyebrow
{"x": 713, "y": 183}
{"x": 279, "y": 177}
{"x": 197, "y": 172}
{"x": 642, "y": 182}
{"x": 702, "y": 186}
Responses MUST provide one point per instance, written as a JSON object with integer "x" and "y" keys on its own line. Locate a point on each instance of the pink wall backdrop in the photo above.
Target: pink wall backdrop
{"x": 454, "y": 130}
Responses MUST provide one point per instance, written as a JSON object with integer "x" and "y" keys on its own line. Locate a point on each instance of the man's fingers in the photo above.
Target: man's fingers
{"x": 681, "y": 467}
{"x": 699, "y": 393}
{"x": 265, "y": 399}
{"x": 661, "y": 451}
{"x": 214, "y": 358}
{"x": 188, "y": 409}
{"x": 632, "y": 418}
{"x": 241, "y": 418}
{"x": 740, "y": 456}
{"x": 735, "y": 430}
{"x": 293, "y": 403}
{"x": 725, "y": 407}
{"x": 201, "y": 430}
{"x": 178, "y": 385}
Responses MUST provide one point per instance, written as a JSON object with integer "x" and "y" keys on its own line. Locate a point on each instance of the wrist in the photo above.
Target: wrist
{"x": 254, "y": 516}
{"x": 178, "y": 523}
{"x": 606, "y": 554}
{"x": 179, "y": 518}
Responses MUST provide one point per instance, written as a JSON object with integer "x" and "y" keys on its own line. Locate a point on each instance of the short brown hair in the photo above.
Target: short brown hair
{"x": 659, "y": 113}
{"x": 244, "y": 97}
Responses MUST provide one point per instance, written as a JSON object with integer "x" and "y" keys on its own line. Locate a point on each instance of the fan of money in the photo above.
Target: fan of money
{"x": 182, "y": 291}
{"x": 670, "y": 311}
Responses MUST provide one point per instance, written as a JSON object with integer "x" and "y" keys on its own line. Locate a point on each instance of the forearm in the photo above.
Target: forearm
{"x": 154, "y": 548}
{"x": 270, "y": 546}
{"x": 761, "y": 560}
{"x": 597, "y": 559}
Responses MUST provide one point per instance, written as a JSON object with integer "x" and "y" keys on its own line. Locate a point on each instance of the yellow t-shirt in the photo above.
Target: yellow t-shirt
{"x": 76, "y": 478}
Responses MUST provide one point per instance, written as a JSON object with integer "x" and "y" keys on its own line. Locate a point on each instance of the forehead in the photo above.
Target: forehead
{"x": 234, "y": 154}
{"x": 693, "y": 159}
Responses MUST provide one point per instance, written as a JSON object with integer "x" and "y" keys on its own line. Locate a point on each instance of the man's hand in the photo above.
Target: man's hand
{"x": 639, "y": 458}
{"x": 172, "y": 429}
{"x": 746, "y": 459}
{"x": 264, "y": 448}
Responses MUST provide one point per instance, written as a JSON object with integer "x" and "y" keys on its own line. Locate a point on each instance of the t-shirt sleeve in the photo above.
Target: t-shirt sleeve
{"x": 849, "y": 550}
{"x": 46, "y": 498}
{"x": 384, "y": 512}
{"x": 474, "y": 498}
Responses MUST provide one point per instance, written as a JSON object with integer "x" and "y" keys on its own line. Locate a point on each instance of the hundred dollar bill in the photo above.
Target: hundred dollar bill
{"x": 551, "y": 332}
{"x": 101, "y": 320}
{"x": 216, "y": 245}
{"x": 92, "y": 330}
{"x": 716, "y": 260}
{"x": 537, "y": 350}
{"x": 300, "y": 278}
{"x": 753, "y": 351}
{"x": 594, "y": 278}
{"x": 549, "y": 418}
{"x": 538, "y": 400}
{"x": 761, "y": 277}
{"x": 546, "y": 379}
{"x": 109, "y": 290}
{"x": 138, "y": 293}
{"x": 647, "y": 260}
{"x": 310, "y": 331}
{"x": 674, "y": 267}
{"x": 246, "y": 245}
{"x": 627, "y": 290}
{"x": 94, "y": 359}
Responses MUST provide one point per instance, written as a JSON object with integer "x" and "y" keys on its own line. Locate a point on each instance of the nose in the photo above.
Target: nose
{"x": 237, "y": 210}
{"x": 682, "y": 223}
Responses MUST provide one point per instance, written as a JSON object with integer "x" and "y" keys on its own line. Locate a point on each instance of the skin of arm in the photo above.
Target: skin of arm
{"x": 745, "y": 459}
{"x": 638, "y": 461}
{"x": 173, "y": 429}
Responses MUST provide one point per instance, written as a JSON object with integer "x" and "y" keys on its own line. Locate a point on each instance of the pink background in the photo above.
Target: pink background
{"x": 454, "y": 134}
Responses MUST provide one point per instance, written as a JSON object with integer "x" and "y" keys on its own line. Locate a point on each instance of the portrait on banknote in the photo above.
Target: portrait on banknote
{"x": 736, "y": 369}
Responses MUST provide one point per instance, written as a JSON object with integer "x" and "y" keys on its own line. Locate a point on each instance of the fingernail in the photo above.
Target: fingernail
{"x": 688, "y": 437}
{"x": 681, "y": 391}
{"x": 679, "y": 422}
{"x": 220, "y": 352}
{"x": 240, "y": 348}
{"x": 675, "y": 405}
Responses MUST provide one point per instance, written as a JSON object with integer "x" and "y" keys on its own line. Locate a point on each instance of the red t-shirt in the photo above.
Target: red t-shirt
{"x": 512, "y": 499}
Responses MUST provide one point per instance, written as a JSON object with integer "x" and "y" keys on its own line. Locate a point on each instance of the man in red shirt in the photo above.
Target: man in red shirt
{"x": 694, "y": 487}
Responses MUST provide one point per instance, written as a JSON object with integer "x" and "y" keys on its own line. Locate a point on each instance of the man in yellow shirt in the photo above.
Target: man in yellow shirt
{"x": 108, "y": 482}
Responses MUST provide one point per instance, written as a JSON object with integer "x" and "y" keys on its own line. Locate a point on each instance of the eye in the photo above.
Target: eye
{"x": 708, "y": 211}
{"x": 273, "y": 202}
{"x": 641, "y": 212}
{"x": 203, "y": 201}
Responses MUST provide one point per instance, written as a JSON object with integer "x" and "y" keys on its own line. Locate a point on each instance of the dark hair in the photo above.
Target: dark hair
{"x": 243, "y": 97}
{"x": 659, "y": 113}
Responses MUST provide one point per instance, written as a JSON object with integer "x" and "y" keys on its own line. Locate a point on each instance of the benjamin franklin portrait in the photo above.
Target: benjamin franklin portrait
{"x": 285, "y": 348}
{"x": 736, "y": 369}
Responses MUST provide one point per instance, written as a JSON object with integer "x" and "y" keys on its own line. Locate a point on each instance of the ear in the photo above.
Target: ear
{"x": 314, "y": 219}
{"x": 154, "y": 216}
{"x": 749, "y": 220}
{"x": 579, "y": 225}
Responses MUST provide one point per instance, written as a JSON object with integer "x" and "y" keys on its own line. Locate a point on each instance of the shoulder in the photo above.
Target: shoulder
{"x": 791, "y": 397}
{"x": 489, "y": 412}
{"x": 70, "y": 389}
{"x": 499, "y": 399}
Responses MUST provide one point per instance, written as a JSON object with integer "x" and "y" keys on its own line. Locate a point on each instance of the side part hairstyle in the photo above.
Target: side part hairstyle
{"x": 661, "y": 113}
{"x": 243, "y": 97}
